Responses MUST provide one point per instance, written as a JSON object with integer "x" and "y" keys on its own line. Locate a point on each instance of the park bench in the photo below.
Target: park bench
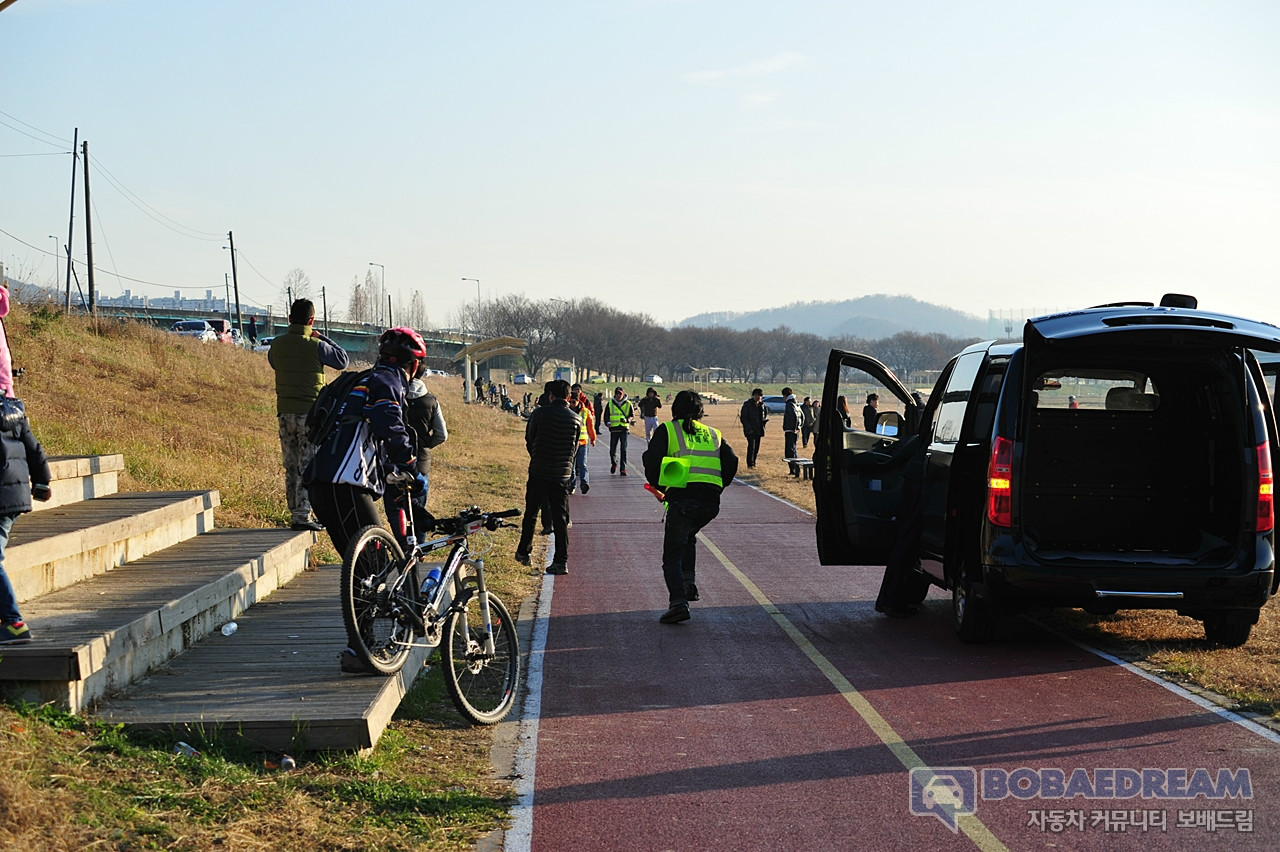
{"x": 800, "y": 468}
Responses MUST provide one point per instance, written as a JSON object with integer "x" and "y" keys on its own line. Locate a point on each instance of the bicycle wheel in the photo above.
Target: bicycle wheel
{"x": 379, "y": 635}
{"x": 483, "y": 687}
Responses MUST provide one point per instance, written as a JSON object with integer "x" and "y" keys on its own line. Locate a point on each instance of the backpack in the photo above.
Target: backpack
{"x": 325, "y": 411}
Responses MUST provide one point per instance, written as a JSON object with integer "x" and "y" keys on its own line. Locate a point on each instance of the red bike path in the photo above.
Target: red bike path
{"x": 786, "y": 713}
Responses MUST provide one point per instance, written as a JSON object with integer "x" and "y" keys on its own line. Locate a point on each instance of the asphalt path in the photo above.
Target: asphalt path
{"x": 788, "y": 714}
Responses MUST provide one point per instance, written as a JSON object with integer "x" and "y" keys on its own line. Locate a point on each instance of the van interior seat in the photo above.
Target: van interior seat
{"x": 1131, "y": 399}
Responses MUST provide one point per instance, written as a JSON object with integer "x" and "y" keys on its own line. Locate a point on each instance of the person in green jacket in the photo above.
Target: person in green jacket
{"x": 299, "y": 357}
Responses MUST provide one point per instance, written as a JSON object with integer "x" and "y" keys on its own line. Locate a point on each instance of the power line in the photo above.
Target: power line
{"x": 147, "y": 210}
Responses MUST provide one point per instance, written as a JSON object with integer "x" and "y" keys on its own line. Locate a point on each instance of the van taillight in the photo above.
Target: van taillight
{"x": 1266, "y": 490}
{"x": 1000, "y": 484}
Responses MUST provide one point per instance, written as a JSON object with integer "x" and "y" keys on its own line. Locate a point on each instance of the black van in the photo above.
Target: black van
{"x": 1119, "y": 457}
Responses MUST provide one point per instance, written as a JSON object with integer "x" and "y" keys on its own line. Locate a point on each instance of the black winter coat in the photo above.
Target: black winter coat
{"x": 24, "y": 464}
{"x": 551, "y": 437}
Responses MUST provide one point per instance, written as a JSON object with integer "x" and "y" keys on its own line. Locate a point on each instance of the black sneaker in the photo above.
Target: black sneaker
{"x": 586, "y": 486}
{"x": 545, "y": 531}
{"x": 302, "y": 526}
{"x": 523, "y": 558}
{"x": 351, "y": 664}
{"x": 613, "y": 468}
{"x": 691, "y": 592}
{"x": 557, "y": 568}
{"x": 676, "y": 614}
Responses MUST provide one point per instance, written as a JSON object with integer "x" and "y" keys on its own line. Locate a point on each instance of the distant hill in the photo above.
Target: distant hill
{"x": 867, "y": 316}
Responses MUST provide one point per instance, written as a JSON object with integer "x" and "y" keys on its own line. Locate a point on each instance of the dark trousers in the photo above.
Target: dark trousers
{"x": 805, "y": 432}
{"x": 393, "y": 502}
{"x": 753, "y": 449}
{"x": 680, "y": 544}
{"x": 617, "y": 439}
{"x": 905, "y": 557}
{"x": 554, "y": 493}
{"x": 789, "y": 450}
{"x": 344, "y": 510}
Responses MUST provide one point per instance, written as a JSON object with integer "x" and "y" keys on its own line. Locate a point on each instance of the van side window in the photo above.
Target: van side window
{"x": 956, "y": 397}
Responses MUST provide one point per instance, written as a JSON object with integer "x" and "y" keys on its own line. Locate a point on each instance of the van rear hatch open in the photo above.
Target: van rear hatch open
{"x": 1138, "y": 444}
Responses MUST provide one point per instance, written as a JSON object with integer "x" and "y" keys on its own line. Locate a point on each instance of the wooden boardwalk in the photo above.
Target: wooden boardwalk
{"x": 275, "y": 683}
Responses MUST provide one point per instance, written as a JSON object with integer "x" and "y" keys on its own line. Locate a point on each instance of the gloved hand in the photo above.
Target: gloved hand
{"x": 41, "y": 492}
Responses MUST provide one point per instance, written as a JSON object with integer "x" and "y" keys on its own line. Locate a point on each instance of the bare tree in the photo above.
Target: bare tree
{"x": 297, "y": 283}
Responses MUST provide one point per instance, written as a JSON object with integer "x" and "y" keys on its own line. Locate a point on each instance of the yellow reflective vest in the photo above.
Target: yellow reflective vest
{"x": 696, "y": 457}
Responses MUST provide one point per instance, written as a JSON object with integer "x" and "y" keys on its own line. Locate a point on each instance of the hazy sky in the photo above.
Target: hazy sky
{"x": 664, "y": 156}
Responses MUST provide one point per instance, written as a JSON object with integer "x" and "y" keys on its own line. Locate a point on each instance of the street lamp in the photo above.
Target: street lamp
{"x": 477, "y": 280}
{"x": 383, "y": 300}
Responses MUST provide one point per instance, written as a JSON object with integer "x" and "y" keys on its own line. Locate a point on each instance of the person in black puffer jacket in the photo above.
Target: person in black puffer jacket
{"x": 551, "y": 437}
{"x": 370, "y": 439}
{"x": 25, "y": 476}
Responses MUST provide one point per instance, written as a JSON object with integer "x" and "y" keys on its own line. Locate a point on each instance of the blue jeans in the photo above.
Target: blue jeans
{"x": 579, "y": 467}
{"x": 616, "y": 438}
{"x": 8, "y": 600}
{"x": 685, "y": 518}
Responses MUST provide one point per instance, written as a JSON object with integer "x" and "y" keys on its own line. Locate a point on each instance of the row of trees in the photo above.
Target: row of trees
{"x": 623, "y": 346}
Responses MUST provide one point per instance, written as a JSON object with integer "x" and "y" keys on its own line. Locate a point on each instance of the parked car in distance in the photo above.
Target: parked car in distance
{"x": 598, "y": 380}
{"x": 654, "y": 379}
{"x": 775, "y": 404}
{"x": 1118, "y": 457}
{"x": 223, "y": 328}
{"x": 263, "y": 344}
{"x": 522, "y": 379}
{"x": 198, "y": 329}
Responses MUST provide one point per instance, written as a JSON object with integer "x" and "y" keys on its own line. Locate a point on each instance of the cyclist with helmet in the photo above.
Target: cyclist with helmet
{"x": 370, "y": 438}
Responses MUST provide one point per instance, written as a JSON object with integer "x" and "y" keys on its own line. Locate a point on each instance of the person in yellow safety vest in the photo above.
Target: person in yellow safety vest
{"x": 691, "y": 464}
{"x": 618, "y": 416}
{"x": 581, "y": 406}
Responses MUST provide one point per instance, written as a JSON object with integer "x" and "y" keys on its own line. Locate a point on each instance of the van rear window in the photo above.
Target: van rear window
{"x": 1095, "y": 390}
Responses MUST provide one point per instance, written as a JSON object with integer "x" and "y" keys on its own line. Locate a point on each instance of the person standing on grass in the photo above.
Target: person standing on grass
{"x": 753, "y": 416}
{"x": 25, "y": 476}
{"x": 690, "y": 463}
{"x": 791, "y": 420}
{"x": 870, "y": 412}
{"x": 808, "y": 419}
{"x": 618, "y": 416}
{"x": 425, "y": 421}
{"x": 299, "y": 357}
{"x": 551, "y": 437}
{"x": 649, "y": 411}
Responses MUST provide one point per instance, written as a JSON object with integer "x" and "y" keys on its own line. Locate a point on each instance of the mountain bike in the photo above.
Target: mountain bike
{"x": 394, "y": 601}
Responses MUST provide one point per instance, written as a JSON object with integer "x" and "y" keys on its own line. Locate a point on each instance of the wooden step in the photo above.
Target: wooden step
{"x": 274, "y": 684}
{"x": 60, "y": 547}
{"x": 102, "y": 634}
{"x": 77, "y": 478}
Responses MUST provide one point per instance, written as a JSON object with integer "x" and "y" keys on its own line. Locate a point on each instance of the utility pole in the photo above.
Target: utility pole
{"x": 88, "y": 232}
{"x": 324, "y": 302}
{"x": 226, "y": 286}
{"x": 389, "y": 322}
{"x": 231, "y": 240}
{"x": 71, "y": 221}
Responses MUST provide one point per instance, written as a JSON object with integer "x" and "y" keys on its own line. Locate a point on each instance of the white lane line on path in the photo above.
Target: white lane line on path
{"x": 519, "y": 838}
{"x": 972, "y": 827}
{"x": 1199, "y": 700}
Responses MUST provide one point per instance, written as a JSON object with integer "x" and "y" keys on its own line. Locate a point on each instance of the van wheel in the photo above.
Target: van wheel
{"x": 1218, "y": 630}
{"x": 971, "y": 617}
